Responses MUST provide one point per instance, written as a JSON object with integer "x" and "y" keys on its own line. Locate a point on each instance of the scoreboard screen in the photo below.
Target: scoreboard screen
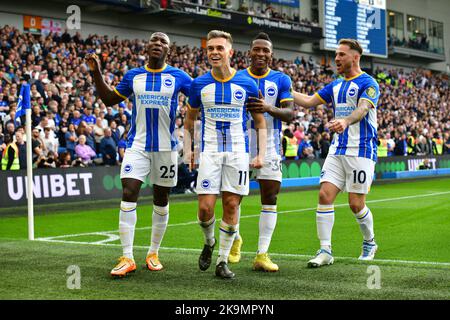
{"x": 363, "y": 20}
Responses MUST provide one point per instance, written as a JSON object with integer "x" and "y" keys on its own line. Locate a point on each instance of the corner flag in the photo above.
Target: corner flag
{"x": 24, "y": 108}
{"x": 24, "y": 101}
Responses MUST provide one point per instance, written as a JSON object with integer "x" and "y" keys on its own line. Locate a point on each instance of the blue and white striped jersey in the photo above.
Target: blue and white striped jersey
{"x": 224, "y": 115}
{"x": 155, "y": 104}
{"x": 359, "y": 139}
{"x": 276, "y": 87}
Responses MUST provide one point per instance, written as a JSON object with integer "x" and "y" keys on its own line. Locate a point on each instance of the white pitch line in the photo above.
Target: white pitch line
{"x": 446, "y": 264}
{"x": 108, "y": 233}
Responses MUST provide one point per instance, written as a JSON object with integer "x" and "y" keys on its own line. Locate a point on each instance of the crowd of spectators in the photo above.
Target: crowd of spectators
{"x": 418, "y": 42}
{"x": 73, "y": 127}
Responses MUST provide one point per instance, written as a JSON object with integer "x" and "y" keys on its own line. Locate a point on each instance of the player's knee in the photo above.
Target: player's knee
{"x": 325, "y": 197}
{"x": 356, "y": 205}
{"x": 129, "y": 194}
{"x": 205, "y": 211}
{"x": 231, "y": 204}
{"x": 269, "y": 199}
{"x": 161, "y": 200}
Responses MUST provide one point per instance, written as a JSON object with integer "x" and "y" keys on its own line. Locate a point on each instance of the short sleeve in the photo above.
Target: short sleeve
{"x": 326, "y": 94}
{"x": 371, "y": 92}
{"x": 185, "y": 83}
{"x": 125, "y": 88}
{"x": 252, "y": 89}
{"x": 285, "y": 89}
{"x": 194, "y": 95}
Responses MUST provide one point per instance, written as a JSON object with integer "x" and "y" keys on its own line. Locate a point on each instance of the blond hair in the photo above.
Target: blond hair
{"x": 213, "y": 34}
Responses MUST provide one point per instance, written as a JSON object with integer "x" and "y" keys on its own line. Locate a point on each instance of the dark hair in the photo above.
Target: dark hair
{"x": 8, "y": 138}
{"x": 288, "y": 133}
{"x": 262, "y": 36}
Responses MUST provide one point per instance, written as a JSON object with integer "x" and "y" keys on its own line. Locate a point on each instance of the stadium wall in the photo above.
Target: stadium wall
{"x": 53, "y": 186}
{"x": 437, "y": 10}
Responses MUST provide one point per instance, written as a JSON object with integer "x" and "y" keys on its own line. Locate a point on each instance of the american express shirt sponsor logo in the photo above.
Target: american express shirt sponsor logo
{"x": 153, "y": 100}
{"x": 224, "y": 113}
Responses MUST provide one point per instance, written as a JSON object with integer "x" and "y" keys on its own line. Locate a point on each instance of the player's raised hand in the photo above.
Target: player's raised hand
{"x": 258, "y": 104}
{"x": 93, "y": 61}
{"x": 257, "y": 162}
{"x": 337, "y": 125}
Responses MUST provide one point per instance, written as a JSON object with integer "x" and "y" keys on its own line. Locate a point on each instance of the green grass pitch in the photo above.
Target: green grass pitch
{"x": 412, "y": 223}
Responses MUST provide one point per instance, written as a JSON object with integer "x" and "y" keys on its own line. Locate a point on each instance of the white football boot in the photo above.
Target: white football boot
{"x": 322, "y": 258}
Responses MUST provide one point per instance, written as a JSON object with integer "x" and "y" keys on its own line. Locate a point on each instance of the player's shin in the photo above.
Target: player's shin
{"x": 325, "y": 222}
{"x": 227, "y": 233}
{"x": 127, "y": 223}
{"x": 208, "y": 230}
{"x": 267, "y": 222}
{"x": 365, "y": 221}
{"x": 237, "y": 236}
{"x": 160, "y": 219}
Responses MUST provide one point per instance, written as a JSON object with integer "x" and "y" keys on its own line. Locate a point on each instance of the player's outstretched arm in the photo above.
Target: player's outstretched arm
{"x": 261, "y": 132}
{"x": 108, "y": 95}
{"x": 305, "y": 100}
{"x": 339, "y": 125}
{"x": 285, "y": 113}
{"x": 189, "y": 124}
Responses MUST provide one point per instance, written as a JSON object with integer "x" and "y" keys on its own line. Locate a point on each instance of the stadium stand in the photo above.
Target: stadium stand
{"x": 413, "y": 116}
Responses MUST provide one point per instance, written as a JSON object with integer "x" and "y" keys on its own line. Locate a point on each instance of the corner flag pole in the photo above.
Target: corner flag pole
{"x": 29, "y": 176}
{"x": 24, "y": 107}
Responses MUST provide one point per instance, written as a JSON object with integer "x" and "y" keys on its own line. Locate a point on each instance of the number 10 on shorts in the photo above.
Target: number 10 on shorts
{"x": 359, "y": 176}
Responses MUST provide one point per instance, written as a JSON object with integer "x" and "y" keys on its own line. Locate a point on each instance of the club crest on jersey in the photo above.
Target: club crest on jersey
{"x": 168, "y": 83}
{"x": 271, "y": 91}
{"x": 206, "y": 184}
{"x": 128, "y": 168}
{"x": 238, "y": 95}
{"x": 352, "y": 92}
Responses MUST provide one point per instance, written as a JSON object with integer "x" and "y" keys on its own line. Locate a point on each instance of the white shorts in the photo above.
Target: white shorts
{"x": 223, "y": 171}
{"x": 271, "y": 169}
{"x": 349, "y": 174}
{"x": 162, "y": 166}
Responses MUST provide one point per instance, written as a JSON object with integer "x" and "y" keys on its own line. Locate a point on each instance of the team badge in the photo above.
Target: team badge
{"x": 238, "y": 95}
{"x": 371, "y": 92}
{"x": 271, "y": 91}
{"x": 128, "y": 168}
{"x": 352, "y": 92}
{"x": 206, "y": 184}
{"x": 168, "y": 83}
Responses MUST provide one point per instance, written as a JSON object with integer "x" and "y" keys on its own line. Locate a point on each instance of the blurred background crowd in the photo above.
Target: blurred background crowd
{"x": 73, "y": 127}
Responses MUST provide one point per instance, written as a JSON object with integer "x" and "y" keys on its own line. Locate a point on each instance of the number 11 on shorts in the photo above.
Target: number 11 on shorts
{"x": 242, "y": 177}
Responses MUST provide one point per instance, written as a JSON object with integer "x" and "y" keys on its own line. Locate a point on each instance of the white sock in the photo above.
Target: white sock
{"x": 127, "y": 224}
{"x": 160, "y": 218}
{"x": 325, "y": 221}
{"x": 208, "y": 230}
{"x": 365, "y": 221}
{"x": 267, "y": 222}
{"x": 237, "y": 234}
{"x": 227, "y": 233}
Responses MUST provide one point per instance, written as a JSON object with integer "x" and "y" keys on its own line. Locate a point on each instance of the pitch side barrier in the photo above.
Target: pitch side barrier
{"x": 52, "y": 186}
{"x": 74, "y": 185}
